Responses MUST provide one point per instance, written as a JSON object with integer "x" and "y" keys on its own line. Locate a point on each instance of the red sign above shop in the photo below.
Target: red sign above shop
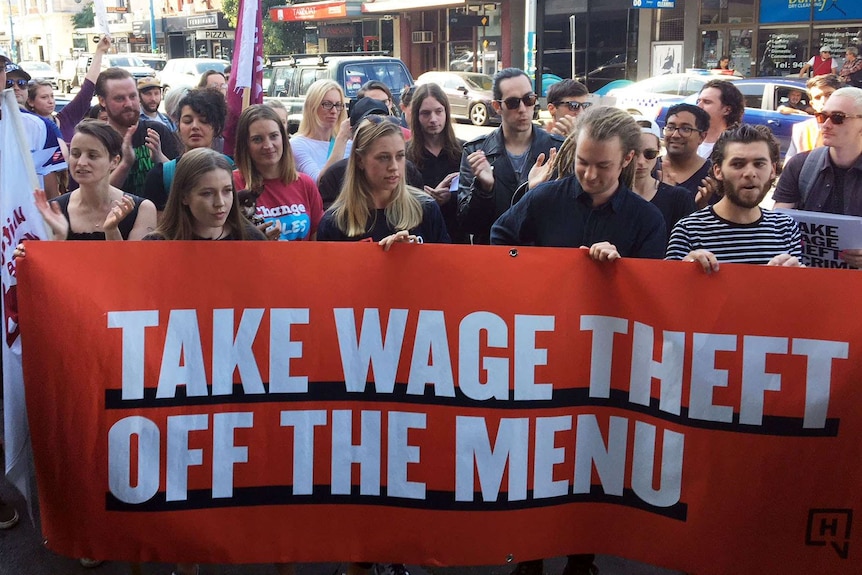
{"x": 309, "y": 11}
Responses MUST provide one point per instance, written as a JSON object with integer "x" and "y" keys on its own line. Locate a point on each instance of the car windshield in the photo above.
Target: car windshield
{"x": 202, "y": 67}
{"x": 479, "y": 81}
{"x": 41, "y": 66}
{"x": 126, "y": 61}
{"x": 390, "y": 73}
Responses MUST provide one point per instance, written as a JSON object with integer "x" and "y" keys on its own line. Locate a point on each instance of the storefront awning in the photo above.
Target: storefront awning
{"x": 395, "y": 6}
{"x": 315, "y": 11}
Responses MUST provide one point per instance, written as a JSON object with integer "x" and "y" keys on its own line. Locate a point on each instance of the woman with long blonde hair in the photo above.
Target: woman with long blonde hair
{"x": 265, "y": 167}
{"x": 324, "y": 131}
{"x": 375, "y": 203}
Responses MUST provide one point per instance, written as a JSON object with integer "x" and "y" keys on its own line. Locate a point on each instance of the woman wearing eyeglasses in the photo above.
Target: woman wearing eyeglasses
{"x": 674, "y": 202}
{"x": 374, "y": 203}
{"x": 324, "y": 131}
{"x": 265, "y": 167}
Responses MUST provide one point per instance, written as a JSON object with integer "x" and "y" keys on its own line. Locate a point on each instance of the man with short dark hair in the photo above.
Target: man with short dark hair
{"x": 566, "y": 99}
{"x": 150, "y": 94}
{"x": 43, "y": 134}
{"x": 725, "y": 105}
{"x": 736, "y": 229}
{"x": 495, "y": 164}
{"x": 684, "y": 132}
{"x": 145, "y": 143}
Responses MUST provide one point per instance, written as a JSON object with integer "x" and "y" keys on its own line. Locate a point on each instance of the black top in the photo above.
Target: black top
{"x": 125, "y": 226}
{"x": 478, "y": 209}
{"x": 329, "y": 182}
{"x": 252, "y": 233}
{"x": 674, "y": 203}
{"x": 143, "y": 163}
{"x": 434, "y": 169}
{"x": 694, "y": 182}
{"x": 560, "y": 214}
{"x": 432, "y": 229}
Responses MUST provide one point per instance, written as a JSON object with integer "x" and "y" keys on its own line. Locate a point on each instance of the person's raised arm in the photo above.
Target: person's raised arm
{"x": 96, "y": 63}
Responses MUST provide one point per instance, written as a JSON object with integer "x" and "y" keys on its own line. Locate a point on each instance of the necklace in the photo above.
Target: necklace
{"x": 221, "y": 235}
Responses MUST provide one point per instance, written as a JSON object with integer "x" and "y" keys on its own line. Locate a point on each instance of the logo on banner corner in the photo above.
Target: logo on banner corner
{"x": 830, "y": 527}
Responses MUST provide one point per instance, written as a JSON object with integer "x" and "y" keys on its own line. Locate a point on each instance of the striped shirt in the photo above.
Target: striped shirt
{"x": 754, "y": 243}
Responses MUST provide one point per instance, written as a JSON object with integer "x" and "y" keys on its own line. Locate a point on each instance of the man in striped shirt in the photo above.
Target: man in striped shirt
{"x": 736, "y": 229}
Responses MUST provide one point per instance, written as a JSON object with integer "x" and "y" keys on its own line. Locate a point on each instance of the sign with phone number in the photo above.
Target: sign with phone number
{"x": 653, "y": 3}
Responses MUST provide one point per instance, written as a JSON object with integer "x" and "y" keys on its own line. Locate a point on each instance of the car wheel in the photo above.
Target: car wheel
{"x": 479, "y": 114}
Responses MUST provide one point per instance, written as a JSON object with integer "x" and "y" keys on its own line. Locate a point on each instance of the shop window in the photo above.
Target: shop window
{"x": 782, "y": 51}
{"x": 727, "y": 12}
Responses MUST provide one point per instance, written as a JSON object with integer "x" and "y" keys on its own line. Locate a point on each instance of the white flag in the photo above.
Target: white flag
{"x": 21, "y": 220}
{"x": 247, "y": 40}
{"x": 100, "y": 13}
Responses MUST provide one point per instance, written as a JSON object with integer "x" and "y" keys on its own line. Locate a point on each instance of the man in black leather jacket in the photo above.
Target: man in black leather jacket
{"x": 494, "y": 165}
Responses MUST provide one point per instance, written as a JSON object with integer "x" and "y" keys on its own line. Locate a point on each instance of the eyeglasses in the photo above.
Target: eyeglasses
{"x": 573, "y": 106}
{"x": 684, "y": 131}
{"x": 330, "y": 105}
{"x": 836, "y": 117}
{"x": 21, "y": 83}
{"x": 514, "y": 102}
{"x": 650, "y": 154}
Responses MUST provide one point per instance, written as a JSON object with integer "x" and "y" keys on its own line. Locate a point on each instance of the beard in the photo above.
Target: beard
{"x": 745, "y": 198}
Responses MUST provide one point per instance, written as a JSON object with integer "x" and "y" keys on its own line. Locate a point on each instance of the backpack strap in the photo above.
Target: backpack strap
{"x": 810, "y": 170}
{"x": 168, "y": 169}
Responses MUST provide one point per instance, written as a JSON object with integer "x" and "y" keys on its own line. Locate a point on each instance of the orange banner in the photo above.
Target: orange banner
{"x": 440, "y": 405}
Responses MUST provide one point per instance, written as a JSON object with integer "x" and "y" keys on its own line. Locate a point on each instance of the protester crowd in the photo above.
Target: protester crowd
{"x": 595, "y": 178}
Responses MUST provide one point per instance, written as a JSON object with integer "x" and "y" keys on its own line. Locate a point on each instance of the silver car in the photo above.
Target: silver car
{"x": 469, "y": 94}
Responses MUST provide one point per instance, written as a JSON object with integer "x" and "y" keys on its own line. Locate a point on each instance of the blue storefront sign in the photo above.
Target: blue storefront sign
{"x": 774, "y": 11}
{"x": 653, "y": 3}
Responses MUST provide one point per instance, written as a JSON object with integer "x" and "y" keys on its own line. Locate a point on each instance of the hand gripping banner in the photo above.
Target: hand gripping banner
{"x": 441, "y": 405}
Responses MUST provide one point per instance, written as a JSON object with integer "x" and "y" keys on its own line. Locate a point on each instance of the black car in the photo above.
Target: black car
{"x": 469, "y": 95}
{"x": 292, "y": 75}
{"x": 613, "y": 69}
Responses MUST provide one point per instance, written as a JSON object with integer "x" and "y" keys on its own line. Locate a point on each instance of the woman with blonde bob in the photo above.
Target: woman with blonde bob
{"x": 324, "y": 132}
{"x": 374, "y": 202}
{"x": 265, "y": 167}
{"x": 202, "y": 203}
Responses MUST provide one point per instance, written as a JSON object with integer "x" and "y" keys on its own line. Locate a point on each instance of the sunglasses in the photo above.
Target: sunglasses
{"x": 836, "y": 117}
{"x": 514, "y": 102}
{"x": 650, "y": 154}
{"x": 330, "y": 105}
{"x": 573, "y": 106}
{"x": 21, "y": 83}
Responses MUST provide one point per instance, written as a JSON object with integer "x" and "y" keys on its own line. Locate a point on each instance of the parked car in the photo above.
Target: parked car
{"x": 645, "y": 98}
{"x": 464, "y": 62}
{"x": 763, "y": 96}
{"x": 613, "y": 69}
{"x": 155, "y": 61}
{"x": 41, "y": 71}
{"x": 130, "y": 62}
{"x": 188, "y": 71}
{"x": 292, "y": 75}
{"x": 469, "y": 95}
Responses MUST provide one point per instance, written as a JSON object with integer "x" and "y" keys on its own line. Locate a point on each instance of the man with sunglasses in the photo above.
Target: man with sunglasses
{"x": 829, "y": 178}
{"x": 45, "y": 139}
{"x": 566, "y": 99}
{"x": 495, "y": 164}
